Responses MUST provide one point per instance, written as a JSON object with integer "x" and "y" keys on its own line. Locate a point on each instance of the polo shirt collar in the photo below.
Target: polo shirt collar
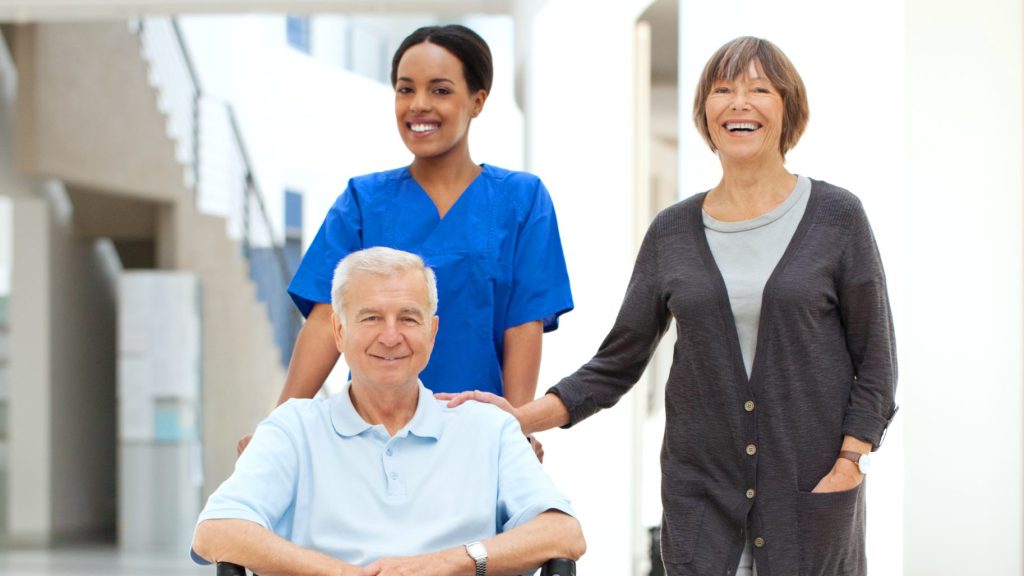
{"x": 426, "y": 422}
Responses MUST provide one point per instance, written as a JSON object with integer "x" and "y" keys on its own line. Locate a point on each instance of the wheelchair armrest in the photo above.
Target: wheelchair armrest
{"x": 556, "y": 567}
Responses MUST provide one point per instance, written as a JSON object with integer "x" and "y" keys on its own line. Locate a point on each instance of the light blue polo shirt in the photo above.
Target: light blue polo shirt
{"x": 318, "y": 475}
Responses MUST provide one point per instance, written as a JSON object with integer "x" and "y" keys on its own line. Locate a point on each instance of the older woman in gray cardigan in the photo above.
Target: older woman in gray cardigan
{"x": 784, "y": 366}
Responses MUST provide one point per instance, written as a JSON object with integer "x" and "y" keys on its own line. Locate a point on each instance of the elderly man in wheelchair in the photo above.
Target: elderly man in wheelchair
{"x": 381, "y": 478}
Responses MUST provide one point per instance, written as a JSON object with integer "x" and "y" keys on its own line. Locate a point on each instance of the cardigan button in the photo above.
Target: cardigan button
{"x": 750, "y": 493}
{"x": 751, "y": 449}
{"x": 748, "y": 405}
{"x": 759, "y": 542}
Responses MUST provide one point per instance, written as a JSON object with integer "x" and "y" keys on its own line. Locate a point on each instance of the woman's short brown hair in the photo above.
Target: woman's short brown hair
{"x": 732, "y": 61}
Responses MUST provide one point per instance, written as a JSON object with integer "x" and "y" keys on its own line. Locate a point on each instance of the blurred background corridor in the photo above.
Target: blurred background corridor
{"x": 164, "y": 164}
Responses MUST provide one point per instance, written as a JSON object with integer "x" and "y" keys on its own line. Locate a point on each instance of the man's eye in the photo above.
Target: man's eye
{"x": 411, "y": 321}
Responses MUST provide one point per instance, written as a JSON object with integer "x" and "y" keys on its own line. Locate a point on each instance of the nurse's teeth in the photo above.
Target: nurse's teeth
{"x": 423, "y": 127}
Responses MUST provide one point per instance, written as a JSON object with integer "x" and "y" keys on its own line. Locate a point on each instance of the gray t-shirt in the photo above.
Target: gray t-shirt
{"x": 746, "y": 253}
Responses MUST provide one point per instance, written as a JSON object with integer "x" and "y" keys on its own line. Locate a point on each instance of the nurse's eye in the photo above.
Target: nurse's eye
{"x": 442, "y": 91}
{"x": 403, "y": 90}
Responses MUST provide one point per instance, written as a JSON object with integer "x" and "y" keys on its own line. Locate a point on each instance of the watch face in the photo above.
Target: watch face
{"x": 477, "y": 550}
{"x": 864, "y": 463}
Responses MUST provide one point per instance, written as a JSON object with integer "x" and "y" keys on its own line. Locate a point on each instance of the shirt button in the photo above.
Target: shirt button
{"x": 759, "y": 542}
{"x": 748, "y": 405}
{"x": 751, "y": 449}
{"x": 394, "y": 475}
{"x": 388, "y": 452}
{"x": 750, "y": 493}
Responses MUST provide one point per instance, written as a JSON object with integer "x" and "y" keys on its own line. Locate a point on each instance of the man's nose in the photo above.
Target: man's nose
{"x": 390, "y": 336}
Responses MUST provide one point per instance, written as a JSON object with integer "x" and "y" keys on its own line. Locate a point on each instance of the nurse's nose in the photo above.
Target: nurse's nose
{"x": 420, "y": 102}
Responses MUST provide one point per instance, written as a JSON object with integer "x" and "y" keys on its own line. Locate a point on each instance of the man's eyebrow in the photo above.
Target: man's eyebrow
{"x": 367, "y": 310}
{"x": 413, "y": 311}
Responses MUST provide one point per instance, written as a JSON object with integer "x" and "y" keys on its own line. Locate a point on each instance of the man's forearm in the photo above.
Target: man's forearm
{"x": 519, "y": 551}
{"x": 523, "y": 549}
{"x": 261, "y": 551}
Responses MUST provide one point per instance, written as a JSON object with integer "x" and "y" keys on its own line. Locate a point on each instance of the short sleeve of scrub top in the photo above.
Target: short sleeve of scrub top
{"x": 497, "y": 255}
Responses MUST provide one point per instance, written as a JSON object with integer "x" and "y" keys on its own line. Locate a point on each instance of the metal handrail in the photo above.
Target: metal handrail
{"x": 193, "y": 95}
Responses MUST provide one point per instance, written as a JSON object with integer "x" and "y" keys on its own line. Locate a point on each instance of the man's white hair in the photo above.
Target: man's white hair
{"x": 381, "y": 261}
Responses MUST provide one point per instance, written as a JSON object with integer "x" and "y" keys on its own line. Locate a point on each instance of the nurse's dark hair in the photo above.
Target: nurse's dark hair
{"x": 732, "y": 61}
{"x": 463, "y": 43}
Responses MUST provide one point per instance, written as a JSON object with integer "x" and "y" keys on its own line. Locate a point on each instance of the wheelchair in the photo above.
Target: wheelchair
{"x": 556, "y": 567}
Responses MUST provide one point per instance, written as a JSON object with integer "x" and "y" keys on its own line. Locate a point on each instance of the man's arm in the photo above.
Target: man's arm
{"x": 521, "y": 550}
{"x": 260, "y": 550}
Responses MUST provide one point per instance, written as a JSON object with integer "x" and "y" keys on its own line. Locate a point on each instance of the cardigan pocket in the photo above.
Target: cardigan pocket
{"x": 680, "y": 527}
{"x": 831, "y": 533}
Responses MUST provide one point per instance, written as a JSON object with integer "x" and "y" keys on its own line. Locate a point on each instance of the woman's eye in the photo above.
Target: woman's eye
{"x": 720, "y": 90}
{"x": 404, "y": 90}
{"x": 442, "y": 91}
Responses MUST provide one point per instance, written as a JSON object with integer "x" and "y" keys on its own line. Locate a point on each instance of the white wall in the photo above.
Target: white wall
{"x": 579, "y": 105}
{"x": 962, "y": 342}
{"x": 851, "y": 61}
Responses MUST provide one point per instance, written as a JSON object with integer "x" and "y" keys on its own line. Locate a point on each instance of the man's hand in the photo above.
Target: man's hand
{"x": 242, "y": 443}
{"x": 441, "y": 563}
{"x": 844, "y": 476}
{"x": 538, "y": 448}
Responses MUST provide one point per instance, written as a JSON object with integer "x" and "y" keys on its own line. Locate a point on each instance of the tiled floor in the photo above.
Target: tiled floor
{"x": 98, "y": 561}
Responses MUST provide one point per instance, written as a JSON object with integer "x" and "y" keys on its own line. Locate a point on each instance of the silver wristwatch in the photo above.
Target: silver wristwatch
{"x": 478, "y": 553}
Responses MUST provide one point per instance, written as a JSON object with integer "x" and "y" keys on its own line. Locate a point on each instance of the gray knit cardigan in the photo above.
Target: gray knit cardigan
{"x": 742, "y": 455}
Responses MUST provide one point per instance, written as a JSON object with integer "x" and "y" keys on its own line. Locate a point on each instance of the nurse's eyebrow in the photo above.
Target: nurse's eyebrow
{"x": 432, "y": 80}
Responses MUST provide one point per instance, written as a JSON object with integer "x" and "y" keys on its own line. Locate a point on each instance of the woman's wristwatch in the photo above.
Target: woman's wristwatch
{"x": 863, "y": 461}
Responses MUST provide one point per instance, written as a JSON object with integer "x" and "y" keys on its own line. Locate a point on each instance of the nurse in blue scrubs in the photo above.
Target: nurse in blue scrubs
{"x": 490, "y": 234}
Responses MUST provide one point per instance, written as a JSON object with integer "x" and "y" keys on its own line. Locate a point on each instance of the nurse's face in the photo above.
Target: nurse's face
{"x": 433, "y": 103}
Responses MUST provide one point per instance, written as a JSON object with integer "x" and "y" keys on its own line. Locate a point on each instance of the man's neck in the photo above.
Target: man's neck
{"x": 391, "y": 407}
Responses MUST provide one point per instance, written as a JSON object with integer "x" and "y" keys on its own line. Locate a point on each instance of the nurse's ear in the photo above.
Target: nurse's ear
{"x": 478, "y": 102}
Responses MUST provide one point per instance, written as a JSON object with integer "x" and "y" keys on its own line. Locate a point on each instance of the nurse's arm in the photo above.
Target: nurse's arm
{"x": 313, "y": 357}
{"x": 521, "y": 362}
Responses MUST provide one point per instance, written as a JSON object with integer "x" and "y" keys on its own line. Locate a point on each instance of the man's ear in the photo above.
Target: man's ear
{"x": 339, "y": 332}
{"x": 433, "y": 331}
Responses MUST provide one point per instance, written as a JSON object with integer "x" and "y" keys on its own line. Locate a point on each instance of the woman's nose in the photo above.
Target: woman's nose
{"x": 739, "y": 100}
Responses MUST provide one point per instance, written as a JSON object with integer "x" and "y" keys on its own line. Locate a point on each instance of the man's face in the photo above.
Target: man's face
{"x": 388, "y": 332}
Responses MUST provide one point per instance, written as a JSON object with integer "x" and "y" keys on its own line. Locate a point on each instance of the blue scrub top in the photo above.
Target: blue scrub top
{"x": 497, "y": 255}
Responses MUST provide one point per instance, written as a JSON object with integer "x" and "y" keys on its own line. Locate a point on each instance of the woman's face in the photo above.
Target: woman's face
{"x": 745, "y": 116}
{"x": 433, "y": 103}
